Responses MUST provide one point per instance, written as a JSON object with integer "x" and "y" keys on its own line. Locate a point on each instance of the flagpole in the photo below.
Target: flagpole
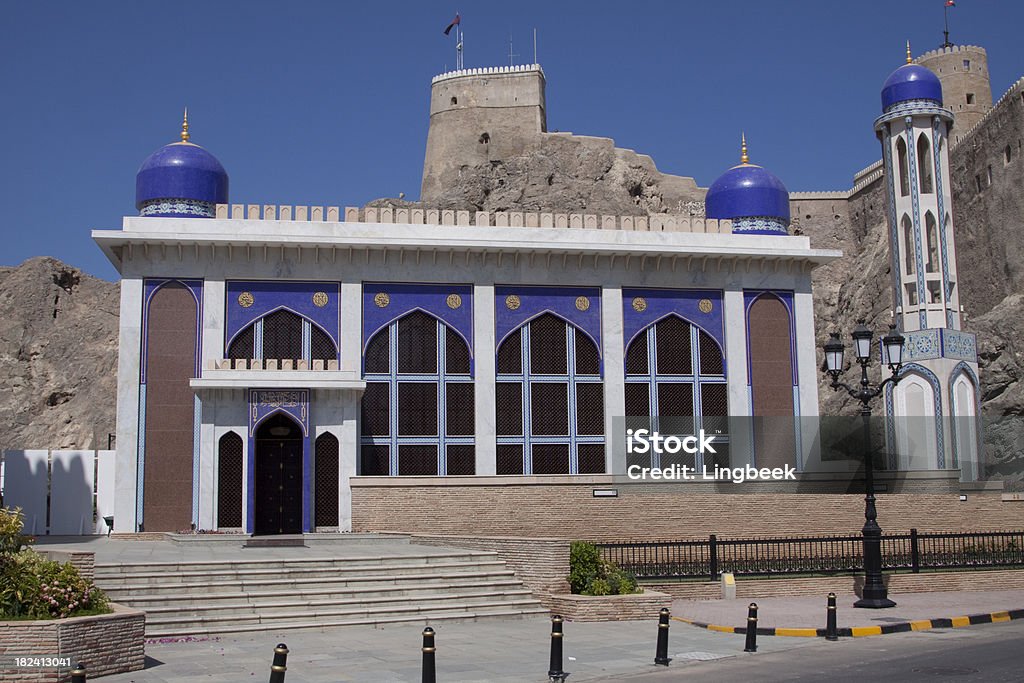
{"x": 945, "y": 16}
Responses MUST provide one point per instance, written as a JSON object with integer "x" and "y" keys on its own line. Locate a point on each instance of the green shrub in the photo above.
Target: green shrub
{"x": 33, "y": 587}
{"x": 590, "y": 575}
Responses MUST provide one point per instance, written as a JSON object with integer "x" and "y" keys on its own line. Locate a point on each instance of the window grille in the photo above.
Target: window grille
{"x": 510, "y": 354}
{"x": 683, "y": 392}
{"x": 509, "y": 459}
{"x": 229, "y": 481}
{"x": 375, "y": 460}
{"x": 549, "y": 400}
{"x": 243, "y": 347}
{"x": 418, "y": 416}
{"x": 326, "y": 481}
{"x": 282, "y": 335}
{"x": 321, "y": 346}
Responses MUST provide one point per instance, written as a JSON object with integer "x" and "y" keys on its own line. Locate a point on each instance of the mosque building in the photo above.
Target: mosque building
{"x": 271, "y": 357}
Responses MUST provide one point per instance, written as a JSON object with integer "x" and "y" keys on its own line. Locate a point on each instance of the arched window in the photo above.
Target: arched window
{"x": 675, "y": 373}
{"x": 924, "y": 164}
{"x": 229, "y": 481}
{"x": 550, "y": 400}
{"x": 282, "y": 335}
{"x": 908, "y": 245}
{"x": 932, "y": 236}
{"x": 901, "y": 153}
{"x": 417, "y": 412}
{"x": 326, "y": 481}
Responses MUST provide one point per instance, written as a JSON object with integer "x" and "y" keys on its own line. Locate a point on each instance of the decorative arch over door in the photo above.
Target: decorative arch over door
{"x": 278, "y": 476}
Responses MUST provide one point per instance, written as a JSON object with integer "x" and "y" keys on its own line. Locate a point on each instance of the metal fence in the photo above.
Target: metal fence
{"x": 693, "y": 559}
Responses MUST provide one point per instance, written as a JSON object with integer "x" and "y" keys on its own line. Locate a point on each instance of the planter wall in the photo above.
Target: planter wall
{"x": 636, "y": 606}
{"x": 106, "y": 644}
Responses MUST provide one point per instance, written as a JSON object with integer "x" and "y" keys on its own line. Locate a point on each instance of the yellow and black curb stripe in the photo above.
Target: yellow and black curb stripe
{"x": 861, "y": 631}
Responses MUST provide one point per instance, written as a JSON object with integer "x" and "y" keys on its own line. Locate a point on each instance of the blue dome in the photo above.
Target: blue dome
{"x": 911, "y": 82}
{"x": 747, "y": 191}
{"x": 184, "y": 173}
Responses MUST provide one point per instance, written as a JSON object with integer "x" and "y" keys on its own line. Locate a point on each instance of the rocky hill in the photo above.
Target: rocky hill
{"x": 58, "y": 356}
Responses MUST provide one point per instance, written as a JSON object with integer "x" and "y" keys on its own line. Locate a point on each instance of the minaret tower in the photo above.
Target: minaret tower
{"x": 914, "y": 131}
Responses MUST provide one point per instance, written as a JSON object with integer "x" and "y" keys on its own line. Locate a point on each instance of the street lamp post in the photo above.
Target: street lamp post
{"x": 875, "y": 594}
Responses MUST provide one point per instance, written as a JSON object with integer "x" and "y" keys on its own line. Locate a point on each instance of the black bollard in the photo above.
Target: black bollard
{"x": 280, "y": 664}
{"x": 78, "y": 674}
{"x": 429, "y": 670}
{"x": 661, "y": 655}
{"x": 831, "y": 632}
{"x": 555, "y": 672}
{"x": 751, "y": 645}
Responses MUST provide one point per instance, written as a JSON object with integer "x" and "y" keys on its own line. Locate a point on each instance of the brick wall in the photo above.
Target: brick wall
{"x": 106, "y": 644}
{"x": 639, "y": 606}
{"x": 567, "y": 509}
{"x": 542, "y": 564}
{"x": 977, "y": 580}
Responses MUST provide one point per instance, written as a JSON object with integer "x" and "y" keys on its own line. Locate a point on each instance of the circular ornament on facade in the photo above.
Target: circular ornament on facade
{"x": 582, "y": 303}
{"x": 639, "y": 304}
{"x": 705, "y": 305}
{"x": 512, "y": 302}
{"x": 320, "y": 299}
{"x": 381, "y": 299}
{"x": 245, "y": 299}
{"x": 453, "y": 301}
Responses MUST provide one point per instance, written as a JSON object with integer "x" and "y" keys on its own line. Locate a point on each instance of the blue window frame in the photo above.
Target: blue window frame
{"x": 675, "y": 375}
{"x": 550, "y": 400}
{"x": 417, "y": 410}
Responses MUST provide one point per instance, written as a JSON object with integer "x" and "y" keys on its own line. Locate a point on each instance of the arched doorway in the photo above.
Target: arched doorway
{"x": 278, "y": 477}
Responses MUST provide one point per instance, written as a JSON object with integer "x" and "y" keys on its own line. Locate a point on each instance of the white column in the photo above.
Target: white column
{"x": 213, "y": 322}
{"x": 740, "y": 432}
{"x": 348, "y": 451}
{"x": 126, "y": 462}
{"x": 613, "y": 353}
{"x": 351, "y": 326}
{"x": 484, "y": 390}
{"x": 807, "y": 375}
{"x": 208, "y": 462}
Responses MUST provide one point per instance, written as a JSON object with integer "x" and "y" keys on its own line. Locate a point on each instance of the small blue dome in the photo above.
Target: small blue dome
{"x": 186, "y": 179}
{"x": 911, "y": 82}
{"x": 747, "y": 191}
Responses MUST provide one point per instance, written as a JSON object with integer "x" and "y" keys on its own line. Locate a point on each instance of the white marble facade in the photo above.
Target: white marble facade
{"x": 220, "y": 250}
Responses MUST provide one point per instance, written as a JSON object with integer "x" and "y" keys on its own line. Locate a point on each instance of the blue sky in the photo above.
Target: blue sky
{"x": 326, "y": 102}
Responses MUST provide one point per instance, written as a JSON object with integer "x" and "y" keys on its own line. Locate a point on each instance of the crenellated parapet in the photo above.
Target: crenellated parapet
{"x": 488, "y": 71}
{"x": 662, "y": 222}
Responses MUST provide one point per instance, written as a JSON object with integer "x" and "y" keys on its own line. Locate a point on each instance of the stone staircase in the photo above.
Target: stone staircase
{"x": 207, "y": 597}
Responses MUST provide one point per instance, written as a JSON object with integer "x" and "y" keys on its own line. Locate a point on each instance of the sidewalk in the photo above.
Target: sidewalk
{"x": 494, "y": 651}
{"x": 912, "y": 611}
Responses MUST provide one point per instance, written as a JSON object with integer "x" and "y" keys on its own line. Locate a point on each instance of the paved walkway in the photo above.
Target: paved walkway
{"x": 499, "y": 651}
{"x": 809, "y": 612}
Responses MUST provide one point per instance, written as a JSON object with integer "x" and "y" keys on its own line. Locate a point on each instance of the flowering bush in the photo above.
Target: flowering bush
{"x": 33, "y": 587}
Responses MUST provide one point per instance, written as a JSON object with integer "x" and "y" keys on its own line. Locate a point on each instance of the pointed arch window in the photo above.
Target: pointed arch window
{"x": 904, "y": 170}
{"x": 924, "y": 164}
{"x": 417, "y": 409}
{"x": 932, "y": 237}
{"x": 326, "y": 471}
{"x": 675, "y": 373}
{"x": 282, "y": 335}
{"x": 550, "y": 400}
{"x": 229, "y": 481}
{"x": 908, "y": 245}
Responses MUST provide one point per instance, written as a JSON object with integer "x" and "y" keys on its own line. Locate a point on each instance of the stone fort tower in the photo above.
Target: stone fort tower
{"x": 477, "y": 115}
{"x": 966, "y": 90}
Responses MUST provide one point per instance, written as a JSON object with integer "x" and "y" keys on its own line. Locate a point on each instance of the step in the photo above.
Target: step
{"x": 425, "y": 618}
{"x": 285, "y": 618}
{"x": 105, "y": 569}
{"x": 212, "y": 587}
{"x": 406, "y": 592}
{"x": 411, "y": 592}
{"x": 182, "y": 577}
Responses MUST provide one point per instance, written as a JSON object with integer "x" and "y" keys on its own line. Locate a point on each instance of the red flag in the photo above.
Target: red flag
{"x": 458, "y": 20}
{"x": 950, "y": 3}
